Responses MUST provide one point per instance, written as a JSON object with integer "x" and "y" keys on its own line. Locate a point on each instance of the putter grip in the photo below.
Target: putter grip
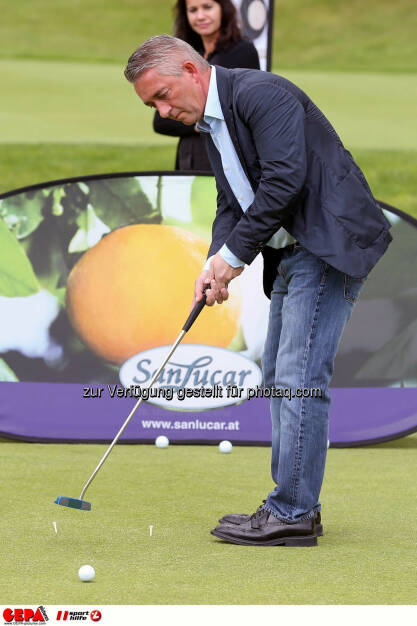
{"x": 196, "y": 311}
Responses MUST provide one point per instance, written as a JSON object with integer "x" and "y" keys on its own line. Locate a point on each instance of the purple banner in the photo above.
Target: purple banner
{"x": 59, "y": 412}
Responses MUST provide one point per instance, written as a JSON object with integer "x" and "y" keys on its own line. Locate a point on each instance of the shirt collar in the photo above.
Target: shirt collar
{"x": 213, "y": 109}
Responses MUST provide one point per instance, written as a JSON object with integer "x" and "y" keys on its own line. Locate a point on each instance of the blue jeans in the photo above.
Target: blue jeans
{"x": 310, "y": 305}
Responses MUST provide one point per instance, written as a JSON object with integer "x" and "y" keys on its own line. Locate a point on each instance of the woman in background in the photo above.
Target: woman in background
{"x": 211, "y": 27}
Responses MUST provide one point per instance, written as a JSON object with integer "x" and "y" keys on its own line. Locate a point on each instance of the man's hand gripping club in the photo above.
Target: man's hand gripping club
{"x": 218, "y": 277}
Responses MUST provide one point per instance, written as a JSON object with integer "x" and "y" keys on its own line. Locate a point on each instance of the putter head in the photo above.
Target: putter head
{"x": 73, "y": 503}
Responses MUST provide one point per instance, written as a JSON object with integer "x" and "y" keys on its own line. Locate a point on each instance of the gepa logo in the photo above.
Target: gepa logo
{"x": 25, "y": 616}
{"x": 191, "y": 367}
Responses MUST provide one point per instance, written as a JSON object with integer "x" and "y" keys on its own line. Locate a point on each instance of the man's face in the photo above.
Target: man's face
{"x": 180, "y": 98}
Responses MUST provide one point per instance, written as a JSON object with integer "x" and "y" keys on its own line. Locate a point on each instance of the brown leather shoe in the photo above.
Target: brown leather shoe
{"x": 241, "y": 518}
{"x": 264, "y": 529}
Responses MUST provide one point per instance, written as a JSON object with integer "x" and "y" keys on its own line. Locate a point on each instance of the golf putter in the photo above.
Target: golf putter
{"x": 80, "y": 503}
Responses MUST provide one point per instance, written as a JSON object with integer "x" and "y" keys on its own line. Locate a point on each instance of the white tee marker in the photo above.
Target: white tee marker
{"x": 150, "y": 531}
{"x": 55, "y": 528}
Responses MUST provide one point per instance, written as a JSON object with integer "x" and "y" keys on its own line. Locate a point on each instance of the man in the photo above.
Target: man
{"x": 286, "y": 188}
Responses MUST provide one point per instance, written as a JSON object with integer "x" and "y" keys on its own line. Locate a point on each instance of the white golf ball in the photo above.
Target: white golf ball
{"x": 225, "y": 447}
{"x": 86, "y": 573}
{"x": 162, "y": 441}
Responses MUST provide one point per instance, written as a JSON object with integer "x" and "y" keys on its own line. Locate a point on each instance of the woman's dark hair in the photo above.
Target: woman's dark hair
{"x": 229, "y": 28}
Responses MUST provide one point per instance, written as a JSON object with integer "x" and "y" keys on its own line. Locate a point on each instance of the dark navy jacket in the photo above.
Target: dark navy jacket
{"x": 302, "y": 177}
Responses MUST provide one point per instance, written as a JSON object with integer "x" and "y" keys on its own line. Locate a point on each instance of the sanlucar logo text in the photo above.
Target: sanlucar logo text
{"x": 192, "y": 367}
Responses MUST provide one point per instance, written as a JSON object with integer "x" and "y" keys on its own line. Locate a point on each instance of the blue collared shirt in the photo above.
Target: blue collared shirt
{"x": 214, "y": 123}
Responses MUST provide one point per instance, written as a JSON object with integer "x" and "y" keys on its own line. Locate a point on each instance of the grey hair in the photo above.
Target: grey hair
{"x": 164, "y": 52}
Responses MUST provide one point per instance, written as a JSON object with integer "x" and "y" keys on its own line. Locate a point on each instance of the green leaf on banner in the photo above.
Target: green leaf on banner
{"x": 121, "y": 202}
{"x": 22, "y": 213}
{"x": 190, "y": 203}
{"x": 238, "y": 342}
{"x": 203, "y": 205}
{"x": 46, "y": 250}
{"x": 6, "y": 374}
{"x": 17, "y": 277}
{"x": 57, "y": 195}
{"x": 61, "y": 295}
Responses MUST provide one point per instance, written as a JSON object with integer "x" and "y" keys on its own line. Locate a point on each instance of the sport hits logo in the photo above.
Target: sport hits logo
{"x": 95, "y": 615}
{"x": 25, "y": 616}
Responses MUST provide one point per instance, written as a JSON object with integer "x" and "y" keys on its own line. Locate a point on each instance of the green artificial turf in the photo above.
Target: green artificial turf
{"x": 367, "y": 555}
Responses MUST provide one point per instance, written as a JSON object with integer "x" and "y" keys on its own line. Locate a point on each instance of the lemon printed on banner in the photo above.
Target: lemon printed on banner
{"x": 133, "y": 291}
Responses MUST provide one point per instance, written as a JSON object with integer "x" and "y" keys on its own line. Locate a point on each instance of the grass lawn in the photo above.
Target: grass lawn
{"x": 72, "y": 103}
{"x": 69, "y": 119}
{"x": 378, "y": 35}
{"x": 26, "y": 164}
{"x": 365, "y": 557}
{"x": 391, "y": 174}
{"x": 369, "y": 111}
{"x": 44, "y": 102}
